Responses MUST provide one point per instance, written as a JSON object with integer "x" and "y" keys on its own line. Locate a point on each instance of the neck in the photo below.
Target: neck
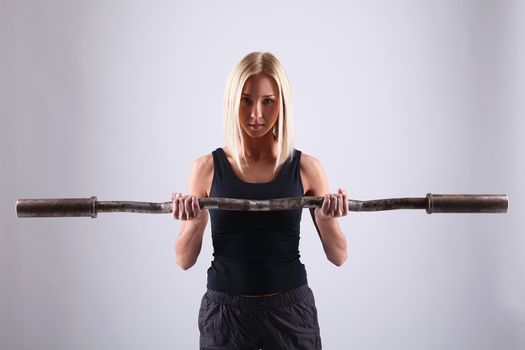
{"x": 261, "y": 148}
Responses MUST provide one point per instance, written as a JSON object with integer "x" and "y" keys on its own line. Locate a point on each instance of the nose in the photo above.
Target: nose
{"x": 256, "y": 111}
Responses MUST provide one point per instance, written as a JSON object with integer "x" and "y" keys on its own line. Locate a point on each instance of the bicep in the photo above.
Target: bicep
{"x": 198, "y": 182}
{"x": 317, "y": 183}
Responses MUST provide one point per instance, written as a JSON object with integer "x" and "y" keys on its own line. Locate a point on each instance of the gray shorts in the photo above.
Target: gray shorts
{"x": 284, "y": 321}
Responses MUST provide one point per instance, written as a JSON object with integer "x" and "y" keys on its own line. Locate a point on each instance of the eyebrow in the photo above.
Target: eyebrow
{"x": 263, "y": 96}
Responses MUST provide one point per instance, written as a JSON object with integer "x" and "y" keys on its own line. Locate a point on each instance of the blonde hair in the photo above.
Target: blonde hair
{"x": 251, "y": 64}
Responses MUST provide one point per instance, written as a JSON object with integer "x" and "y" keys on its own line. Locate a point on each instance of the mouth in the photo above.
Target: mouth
{"x": 255, "y": 126}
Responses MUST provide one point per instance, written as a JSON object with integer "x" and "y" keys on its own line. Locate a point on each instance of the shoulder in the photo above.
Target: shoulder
{"x": 203, "y": 165}
{"x": 204, "y": 162}
{"x": 201, "y": 175}
{"x": 312, "y": 174}
{"x": 310, "y": 164}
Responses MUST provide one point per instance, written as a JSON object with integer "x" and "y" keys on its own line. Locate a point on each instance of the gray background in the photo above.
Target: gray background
{"x": 116, "y": 98}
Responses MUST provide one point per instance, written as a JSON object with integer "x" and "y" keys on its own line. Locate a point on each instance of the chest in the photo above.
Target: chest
{"x": 258, "y": 180}
{"x": 260, "y": 172}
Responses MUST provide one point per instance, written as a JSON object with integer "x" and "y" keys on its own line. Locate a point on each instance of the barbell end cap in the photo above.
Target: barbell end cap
{"x": 16, "y": 208}
{"x": 506, "y": 206}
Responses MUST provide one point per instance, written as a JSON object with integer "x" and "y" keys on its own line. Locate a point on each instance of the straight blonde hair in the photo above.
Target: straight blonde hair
{"x": 251, "y": 64}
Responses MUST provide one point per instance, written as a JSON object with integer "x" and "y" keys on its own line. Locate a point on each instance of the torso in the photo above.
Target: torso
{"x": 258, "y": 172}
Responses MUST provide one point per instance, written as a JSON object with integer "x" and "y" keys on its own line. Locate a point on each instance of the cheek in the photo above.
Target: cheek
{"x": 273, "y": 111}
{"x": 243, "y": 111}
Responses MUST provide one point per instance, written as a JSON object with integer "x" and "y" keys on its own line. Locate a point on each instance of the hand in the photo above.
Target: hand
{"x": 186, "y": 207}
{"x": 334, "y": 205}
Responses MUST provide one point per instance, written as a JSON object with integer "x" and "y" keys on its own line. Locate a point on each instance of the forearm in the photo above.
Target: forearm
{"x": 334, "y": 241}
{"x": 189, "y": 243}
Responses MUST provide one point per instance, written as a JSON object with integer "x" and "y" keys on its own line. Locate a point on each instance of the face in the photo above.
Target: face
{"x": 259, "y": 107}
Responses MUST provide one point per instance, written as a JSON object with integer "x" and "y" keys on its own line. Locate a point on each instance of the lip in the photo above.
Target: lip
{"x": 256, "y": 125}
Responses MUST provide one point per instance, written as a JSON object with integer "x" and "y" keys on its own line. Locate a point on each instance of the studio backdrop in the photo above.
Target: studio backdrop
{"x": 115, "y": 99}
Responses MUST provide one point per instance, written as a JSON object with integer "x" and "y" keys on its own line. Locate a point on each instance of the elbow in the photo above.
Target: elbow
{"x": 185, "y": 267}
{"x": 183, "y": 260}
{"x": 339, "y": 260}
{"x": 183, "y": 264}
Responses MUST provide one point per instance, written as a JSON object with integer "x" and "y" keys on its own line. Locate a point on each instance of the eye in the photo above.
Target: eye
{"x": 268, "y": 101}
{"x": 245, "y": 100}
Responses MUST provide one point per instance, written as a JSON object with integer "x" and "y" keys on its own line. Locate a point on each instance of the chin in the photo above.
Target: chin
{"x": 256, "y": 134}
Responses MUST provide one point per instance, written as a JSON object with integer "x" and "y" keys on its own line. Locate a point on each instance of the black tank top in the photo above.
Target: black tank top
{"x": 255, "y": 252}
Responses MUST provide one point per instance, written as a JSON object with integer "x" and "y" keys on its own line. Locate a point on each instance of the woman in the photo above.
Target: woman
{"x": 257, "y": 294}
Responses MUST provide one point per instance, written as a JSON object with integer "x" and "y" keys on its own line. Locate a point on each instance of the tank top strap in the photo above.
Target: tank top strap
{"x": 296, "y": 162}
{"x": 294, "y": 168}
{"x": 220, "y": 164}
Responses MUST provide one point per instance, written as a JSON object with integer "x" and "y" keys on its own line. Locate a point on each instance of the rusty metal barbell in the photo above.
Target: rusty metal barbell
{"x": 432, "y": 203}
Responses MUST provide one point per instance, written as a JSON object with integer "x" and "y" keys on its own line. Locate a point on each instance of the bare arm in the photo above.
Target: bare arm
{"x": 325, "y": 218}
{"x": 193, "y": 219}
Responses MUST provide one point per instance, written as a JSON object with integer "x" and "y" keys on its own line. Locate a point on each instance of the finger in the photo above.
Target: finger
{"x": 345, "y": 202}
{"x": 333, "y": 203}
{"x": 175, "y": 206}
{"x": 187, "y": 207}
{"x": 181, "y": 207}
{"x": 192, "y": 211}
{"x": 195, "y": 206}
{"x": 340, "y": 204}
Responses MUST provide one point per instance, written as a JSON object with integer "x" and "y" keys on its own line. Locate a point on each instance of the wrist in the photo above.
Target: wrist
{"x": 201, "y": 217}
{"x": 324, "y": 219}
